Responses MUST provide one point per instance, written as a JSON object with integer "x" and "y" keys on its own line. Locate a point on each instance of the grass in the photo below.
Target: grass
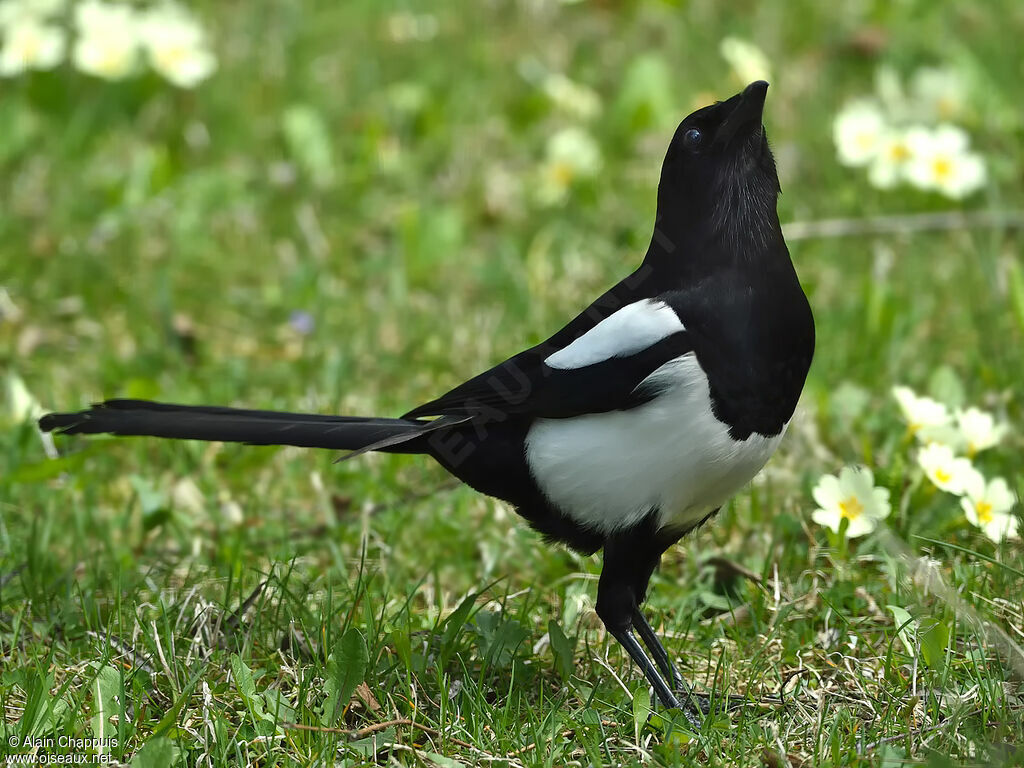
{"x": 222, "y": 605}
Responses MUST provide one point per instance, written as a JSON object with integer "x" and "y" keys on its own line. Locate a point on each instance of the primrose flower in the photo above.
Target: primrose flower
{"x": 946, "y": 470}
{"x": 571, "y": 97}
{"x": 920, "y": 411}
{"x": 858, "y": 131}
{"x": 15, "y": 11}
{"x": 571, "y": 153}
{"x": 22, "y": 403}
{"x": 108, "y": 39}
{"x": 942, "y": 434}
{"x": 938, "y": 93}
{"x": 988, "y": 505}
{"x": 979, "y": 429}
{"x": 851, "y": 495}
{"x": 176, "y": 45}
{"x": 942, "y": 163}
{"x": 747, "y": 61}
{"x": 895, "y": 151}
{"x": 31, "y": 44}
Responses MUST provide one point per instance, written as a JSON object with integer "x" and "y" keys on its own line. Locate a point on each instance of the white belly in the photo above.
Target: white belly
{"x": 607, "y": 471}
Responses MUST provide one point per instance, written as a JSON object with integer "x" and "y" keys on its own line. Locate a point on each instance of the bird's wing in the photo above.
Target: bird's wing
{"x": 599, "y": 371}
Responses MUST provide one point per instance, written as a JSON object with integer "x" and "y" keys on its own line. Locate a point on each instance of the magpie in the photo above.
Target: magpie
{"x": 633, "y": 424}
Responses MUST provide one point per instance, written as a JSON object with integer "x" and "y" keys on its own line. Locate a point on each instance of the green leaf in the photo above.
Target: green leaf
{"x": 106, "y": 696}
{"x": 1016, "y": 283}
{"x": 42, "y": 711}
{"x": 247, "y": 687}
{"x": 139, "y": 388}
{"x": 499, "y": 638}
{"x": 934, "y": 643}
{"x": 641, "y": 709}
{"x": 170, "y": 719}
{"x": 891, "y": 756}
{"x": 158, "y": 752}
{"x": 847, "y": 403}
{"x": 279, "y": 708}
{"x": 309, "y": 143}
{"x": 346, "y": 668}
{"x": 716, "y": 601}
{"x": 906, "y": 627}
{"x": 40, "y": 471}
{"x": 453, "y": 625}
{"x": 939, "y": 760}
{"x": 946, "y": 387}
{"x": 647, "y": 98}
{"x": 561, "y": 649}
{"x": 151, "y": 499}
{"x": 441, "y": 761}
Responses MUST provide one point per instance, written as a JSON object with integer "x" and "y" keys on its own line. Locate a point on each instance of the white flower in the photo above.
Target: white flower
{"x": 857, "y": 131}
{"x": 108, "y": 39}
{"x": 747, "y": 61}
{"x": 895, "y": 151}
{"x": 938, "y": 93}
{"x": 942, "y": 163}
{"x": 942, "y": 434}
{"x": 22, "y": 404}
{"x": 575, "y": 99}
{"x": 946, "y": 470}
{"x": 176, "y": 45}
{"x": 920, "y": 411}
{"x": 979, "y": 429}
{"x": 16, "y": 11}
{"x": 31, "y": 44}
{"x": 851, "y": 495}
{"x": 571, "y": 153}
{"x": 988, "y": 505}
{"x": 890, "y": 94}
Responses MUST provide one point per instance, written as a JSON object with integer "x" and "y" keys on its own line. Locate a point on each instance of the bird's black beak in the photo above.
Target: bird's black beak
{"x": 745, "y": 117}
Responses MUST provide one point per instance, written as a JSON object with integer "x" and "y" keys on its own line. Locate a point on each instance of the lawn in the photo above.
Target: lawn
{"x": 366, "y": 203}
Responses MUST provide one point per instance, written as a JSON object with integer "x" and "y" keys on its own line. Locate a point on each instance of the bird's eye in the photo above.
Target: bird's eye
{"x": 692, "y": 138}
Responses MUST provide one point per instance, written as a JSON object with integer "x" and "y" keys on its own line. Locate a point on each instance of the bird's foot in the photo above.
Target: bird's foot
{"x": 706, "y": 704}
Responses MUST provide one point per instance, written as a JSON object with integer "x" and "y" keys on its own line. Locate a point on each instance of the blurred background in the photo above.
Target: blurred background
{"x": 351, "y": 207}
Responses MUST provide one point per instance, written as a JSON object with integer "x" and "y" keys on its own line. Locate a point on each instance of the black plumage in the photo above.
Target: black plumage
{"x": 628, "y": 427}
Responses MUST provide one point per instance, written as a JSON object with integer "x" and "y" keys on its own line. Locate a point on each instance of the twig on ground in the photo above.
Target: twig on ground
{"x": 903, "y": 224}
{"x": 362, "y": 733}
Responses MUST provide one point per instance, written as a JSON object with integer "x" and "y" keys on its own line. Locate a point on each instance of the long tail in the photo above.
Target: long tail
{"x": 235, "y": 425}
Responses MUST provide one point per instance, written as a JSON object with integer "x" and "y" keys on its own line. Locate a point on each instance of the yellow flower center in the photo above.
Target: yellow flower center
{"x": 851, "y": 508}
{"x": 111, "y": 61}
{"x": 865, "y": 140}
{"x": 942, "y": 167}
{"x": 943, "y": 475}
{"x": 172, "y": 56}
{"x": 562, "y": 173}
{"x": 28, "y": 48}
{"x": 984, "y": 510}
{"x": 899, "y": 153}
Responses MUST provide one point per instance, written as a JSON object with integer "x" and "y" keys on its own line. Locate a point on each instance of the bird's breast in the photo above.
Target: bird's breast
{"x": 608, "y": 471}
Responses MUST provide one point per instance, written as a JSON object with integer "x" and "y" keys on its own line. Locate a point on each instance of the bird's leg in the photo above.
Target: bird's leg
{"x": 657, "y": 651}
{"x": 689, "y": 697}
{"x": 692, "y": 702}
{"x": 618, "y": 605}
{"x": 662, "y": 690}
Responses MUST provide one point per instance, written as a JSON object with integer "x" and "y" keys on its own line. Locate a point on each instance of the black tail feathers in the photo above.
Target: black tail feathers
{"x": 236, "y": 425}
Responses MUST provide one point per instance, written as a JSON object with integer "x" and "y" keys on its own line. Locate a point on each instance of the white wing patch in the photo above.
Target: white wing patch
{"x": 625, "y": 332}
{"x": 607, "y": 471}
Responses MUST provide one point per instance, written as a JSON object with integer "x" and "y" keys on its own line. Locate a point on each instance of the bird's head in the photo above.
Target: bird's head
{"x": 719, "y": 174}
